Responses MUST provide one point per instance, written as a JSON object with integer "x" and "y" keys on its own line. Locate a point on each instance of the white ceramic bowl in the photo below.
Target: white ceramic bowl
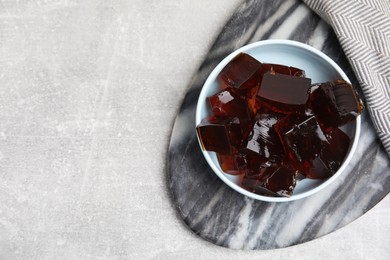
{"x": 318, "y": 67}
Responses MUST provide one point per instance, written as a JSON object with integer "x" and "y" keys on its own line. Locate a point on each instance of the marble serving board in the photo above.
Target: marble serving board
{"x": 224, "y": 217}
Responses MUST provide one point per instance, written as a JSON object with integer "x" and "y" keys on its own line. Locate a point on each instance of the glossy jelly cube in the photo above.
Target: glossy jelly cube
{"x": 279, "y": 181}
{"x": 317, "y": 169}
{"x": 284, "y": 93}
{"x": 250, "y": 163}
{"x": 301, "y": 135}
{"x": 238, "y": 70}
{"x": 220, "y": 135}
{"x": 252, "y": 85}
{"x": 229, "y": 103}
{"x": 331, "y": 156}
{"x": 335, "y": 103}
{"x": 336, "y": 150}
{"x": 228, "y": 163}
{"x": 334, "y": 153}
{"x": 267, "y": 116}
{"x": 242, "y": 162}
{"x": 233, "y": 164}
{"x": 256, "y": 78}
{"x": 263, "y": 139}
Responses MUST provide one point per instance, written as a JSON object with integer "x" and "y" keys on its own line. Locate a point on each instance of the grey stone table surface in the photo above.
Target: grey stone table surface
{"x": 89, "y": 91}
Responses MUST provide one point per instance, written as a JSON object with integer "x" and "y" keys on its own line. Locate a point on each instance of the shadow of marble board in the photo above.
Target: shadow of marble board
{"x": 224, "y": 217}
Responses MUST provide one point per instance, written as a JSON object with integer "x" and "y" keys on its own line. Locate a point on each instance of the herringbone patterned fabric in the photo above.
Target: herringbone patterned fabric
{"x": 363, "y": 29}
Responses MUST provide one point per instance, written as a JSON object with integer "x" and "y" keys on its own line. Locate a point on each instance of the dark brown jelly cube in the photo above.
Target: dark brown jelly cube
{"x": 252, "y": 85}
{"x": 252, "y": 179}
{"x": 229, "y": 103}
{"x": 301, "y": 135}
{"x": 228, "y": 163}
{"x": 280, "y": 181}
{"x": 331, "y": 157}
{"x": 255, "y": 80}
{"x": 220, "y": 135}
{"x": 317, "y": 169}
{"x": 250, "y": 163}
{"x": 261, "y": 172}
{"x": 267, "y": 116}
{"x": 263, "y": 139}
{"x": 284, "y": 92}
{"x": 235, "y": 163}
{"x": 336, "y": 151}
{"x": 239, "y": 70}
{"x": 335, "y": 103}
{"x": 241, "y": 162}
{"x": 282, "y": 69}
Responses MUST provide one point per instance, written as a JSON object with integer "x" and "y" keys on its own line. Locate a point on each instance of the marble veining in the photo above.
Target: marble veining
{"x": 224, "y": 217}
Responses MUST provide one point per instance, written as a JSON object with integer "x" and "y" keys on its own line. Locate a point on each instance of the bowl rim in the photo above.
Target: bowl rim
{"x": 202, "y": 96}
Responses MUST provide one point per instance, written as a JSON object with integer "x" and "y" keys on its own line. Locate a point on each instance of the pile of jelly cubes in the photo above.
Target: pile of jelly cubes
{"x": 272, "y": 126}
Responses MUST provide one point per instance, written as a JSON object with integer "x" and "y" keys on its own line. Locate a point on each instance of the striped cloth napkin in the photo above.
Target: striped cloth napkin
{"x": 363, "y": 29}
